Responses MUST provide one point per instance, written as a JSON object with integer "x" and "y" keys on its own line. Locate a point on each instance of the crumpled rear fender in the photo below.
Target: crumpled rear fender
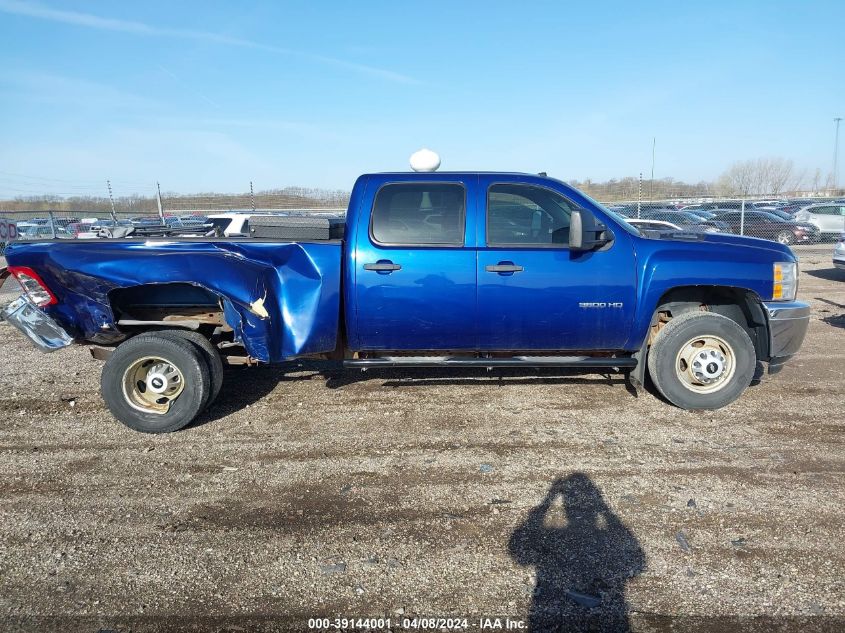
{"x": 281, "y": 299}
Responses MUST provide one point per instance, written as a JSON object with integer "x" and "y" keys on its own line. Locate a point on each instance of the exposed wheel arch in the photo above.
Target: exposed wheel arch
{"x": 179, "y": 304}
{"x": 741, "y": 305}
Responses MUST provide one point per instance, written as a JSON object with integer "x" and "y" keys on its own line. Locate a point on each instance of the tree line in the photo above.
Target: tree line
{"x": 755, "y": 177}
{"x": 749, "y": 178}
{"x": 287, "y": 198}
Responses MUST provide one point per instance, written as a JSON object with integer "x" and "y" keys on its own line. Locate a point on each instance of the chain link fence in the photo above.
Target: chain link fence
{"x": 73, "y": 214}
{"x": 791, "y": 217}
{"x": 794, "y": 217}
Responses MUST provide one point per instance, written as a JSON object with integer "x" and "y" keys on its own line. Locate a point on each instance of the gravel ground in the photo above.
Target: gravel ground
{"x": 308, "y": 494}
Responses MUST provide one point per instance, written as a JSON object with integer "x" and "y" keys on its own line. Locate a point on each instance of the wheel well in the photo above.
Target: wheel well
{"x": 738, "y": 304}
{"x": 180, "y": 304}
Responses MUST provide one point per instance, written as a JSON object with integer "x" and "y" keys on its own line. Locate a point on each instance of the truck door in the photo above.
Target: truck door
{"x": 536, "y": 294}
{"x": 415, "y": 265}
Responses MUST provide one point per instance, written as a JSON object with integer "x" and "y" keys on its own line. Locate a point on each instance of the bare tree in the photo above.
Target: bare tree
{"x": 760, "y": 176}
{"x": 779, "y": 174}
{"x": 739, "y": 179}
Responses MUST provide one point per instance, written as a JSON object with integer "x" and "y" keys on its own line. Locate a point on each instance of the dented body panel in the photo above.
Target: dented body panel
{"x": 282, "y": 300}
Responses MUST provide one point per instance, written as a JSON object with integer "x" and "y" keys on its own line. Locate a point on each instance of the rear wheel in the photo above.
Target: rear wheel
{"x": 156, "y": 384}
{"x": 209, "y": 353}
{"x": 702, "y": 360}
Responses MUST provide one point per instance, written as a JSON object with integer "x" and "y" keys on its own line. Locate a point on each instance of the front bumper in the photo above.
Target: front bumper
{"x": 839, "y": 263}
{"x": 41, "y": 329}
{"x": 788, "y": 322}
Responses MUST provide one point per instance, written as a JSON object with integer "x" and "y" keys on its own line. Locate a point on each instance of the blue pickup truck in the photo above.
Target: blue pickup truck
{"x": 429, "y": 269}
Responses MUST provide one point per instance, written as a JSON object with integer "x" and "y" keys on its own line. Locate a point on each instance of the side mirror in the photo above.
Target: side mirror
{"x": 585, "y": 232}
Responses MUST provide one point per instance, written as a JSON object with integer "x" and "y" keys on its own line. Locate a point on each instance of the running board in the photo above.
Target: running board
{"x": 625, "y": 362}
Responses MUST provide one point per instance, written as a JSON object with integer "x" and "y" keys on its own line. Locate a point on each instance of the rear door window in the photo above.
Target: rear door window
{"x": 424, "y": 214}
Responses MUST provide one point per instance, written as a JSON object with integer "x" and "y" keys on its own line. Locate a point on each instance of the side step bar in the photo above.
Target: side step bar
{"x": 625, "y": 362}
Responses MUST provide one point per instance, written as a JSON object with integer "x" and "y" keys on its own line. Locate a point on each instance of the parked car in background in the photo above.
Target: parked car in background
{"x": 829, "y": 219}
{"x": 815, "y": 235}
{"x": 42, "y": 232}
{"x": 794, "y": 206}
{"x": 687, "y": 221}
{"x": 65, "y": 220}
{"x": 768, "y": 226}
{"x": 184, "y": 222}
{"x": 93, "y": 230}
{"x": 146, "y": 220}
{"x": 76, "y": 228}
{"x": 701, "y": 213}
{"x": 631, "y": 210}
{"x": 108, "y": 224}
{"x": 839, "y": 253}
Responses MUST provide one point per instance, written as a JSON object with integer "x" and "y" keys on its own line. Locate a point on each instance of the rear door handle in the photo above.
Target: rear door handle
{"x": 504, "y": 268}
{"x": 382, "y": 266}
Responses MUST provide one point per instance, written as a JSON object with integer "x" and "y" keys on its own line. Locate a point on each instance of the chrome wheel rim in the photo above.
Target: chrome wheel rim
{"x": 784, "y": 237}
{"x": 705, "y": 364}
{"x": 151, "y": 384}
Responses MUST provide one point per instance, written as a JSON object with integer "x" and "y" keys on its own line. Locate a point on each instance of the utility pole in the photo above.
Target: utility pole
{"x": 653, "y": 146}
{"x": 639, "y": 195}
{"x": 111, "y": 199}
{"x": 836, "y": 153}
{"x": 160, "y": 206}
{"x": 252, "y": 196}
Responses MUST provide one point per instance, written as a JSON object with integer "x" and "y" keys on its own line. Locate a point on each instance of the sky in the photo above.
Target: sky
{"x": 208, "y": 96}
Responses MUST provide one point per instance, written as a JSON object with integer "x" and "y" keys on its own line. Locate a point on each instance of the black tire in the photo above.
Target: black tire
{"x": 211, "y": 355}
{"x": 181, "y": 354}
{"x": 665, "y": 370}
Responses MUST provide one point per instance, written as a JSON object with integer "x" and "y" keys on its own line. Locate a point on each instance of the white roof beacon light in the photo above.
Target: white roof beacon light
{"x": 425, "y": 160}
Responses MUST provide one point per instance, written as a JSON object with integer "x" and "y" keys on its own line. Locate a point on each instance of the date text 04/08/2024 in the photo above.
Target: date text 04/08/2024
{"x": 417, "y": 623}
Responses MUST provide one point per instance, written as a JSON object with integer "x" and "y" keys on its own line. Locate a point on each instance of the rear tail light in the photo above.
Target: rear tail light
{"x": 33, "y": 286}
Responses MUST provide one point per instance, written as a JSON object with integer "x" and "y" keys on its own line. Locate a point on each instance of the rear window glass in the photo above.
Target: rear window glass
{"x": 419, "y": 213}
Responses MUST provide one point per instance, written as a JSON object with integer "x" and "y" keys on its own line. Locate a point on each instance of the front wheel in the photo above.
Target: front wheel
{"x": 785, "y": 237}
{"x": 702, "y": 360}
{"x": 155, "y": 384}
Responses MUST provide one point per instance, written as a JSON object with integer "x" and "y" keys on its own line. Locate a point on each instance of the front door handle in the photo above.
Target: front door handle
{"x": 504, "y": 268}
{"x": 383, "y": 266}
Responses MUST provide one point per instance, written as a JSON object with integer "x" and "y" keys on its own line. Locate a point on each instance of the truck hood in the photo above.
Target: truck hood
{"x": 729, "y": 239}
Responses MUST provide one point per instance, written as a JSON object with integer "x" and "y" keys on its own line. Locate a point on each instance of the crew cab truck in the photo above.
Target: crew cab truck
{"x": 432, "y": 270}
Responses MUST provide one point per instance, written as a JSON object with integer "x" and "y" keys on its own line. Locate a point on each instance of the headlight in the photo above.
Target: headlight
{"x": 785, "y": 281}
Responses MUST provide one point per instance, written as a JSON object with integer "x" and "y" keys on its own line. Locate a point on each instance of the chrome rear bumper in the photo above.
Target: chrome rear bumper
{"x": 41, "y": 329}
{"x": 788, "y": 322}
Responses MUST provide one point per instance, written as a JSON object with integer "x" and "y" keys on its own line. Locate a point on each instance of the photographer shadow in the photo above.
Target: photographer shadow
{"x": 584, "y": 556}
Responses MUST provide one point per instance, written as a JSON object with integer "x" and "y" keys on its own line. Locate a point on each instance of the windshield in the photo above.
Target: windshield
{"x": 771, "y": 217}
{"x": 704, "y": 215}
{"x": 683, "y": 216}
{"x": 783, "y": 215}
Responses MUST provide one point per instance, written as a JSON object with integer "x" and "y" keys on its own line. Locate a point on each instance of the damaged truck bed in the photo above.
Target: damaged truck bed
{"x": 281, "y": 300}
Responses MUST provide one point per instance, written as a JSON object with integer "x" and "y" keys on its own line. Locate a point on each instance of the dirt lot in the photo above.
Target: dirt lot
{"x": 305, "y": 494}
